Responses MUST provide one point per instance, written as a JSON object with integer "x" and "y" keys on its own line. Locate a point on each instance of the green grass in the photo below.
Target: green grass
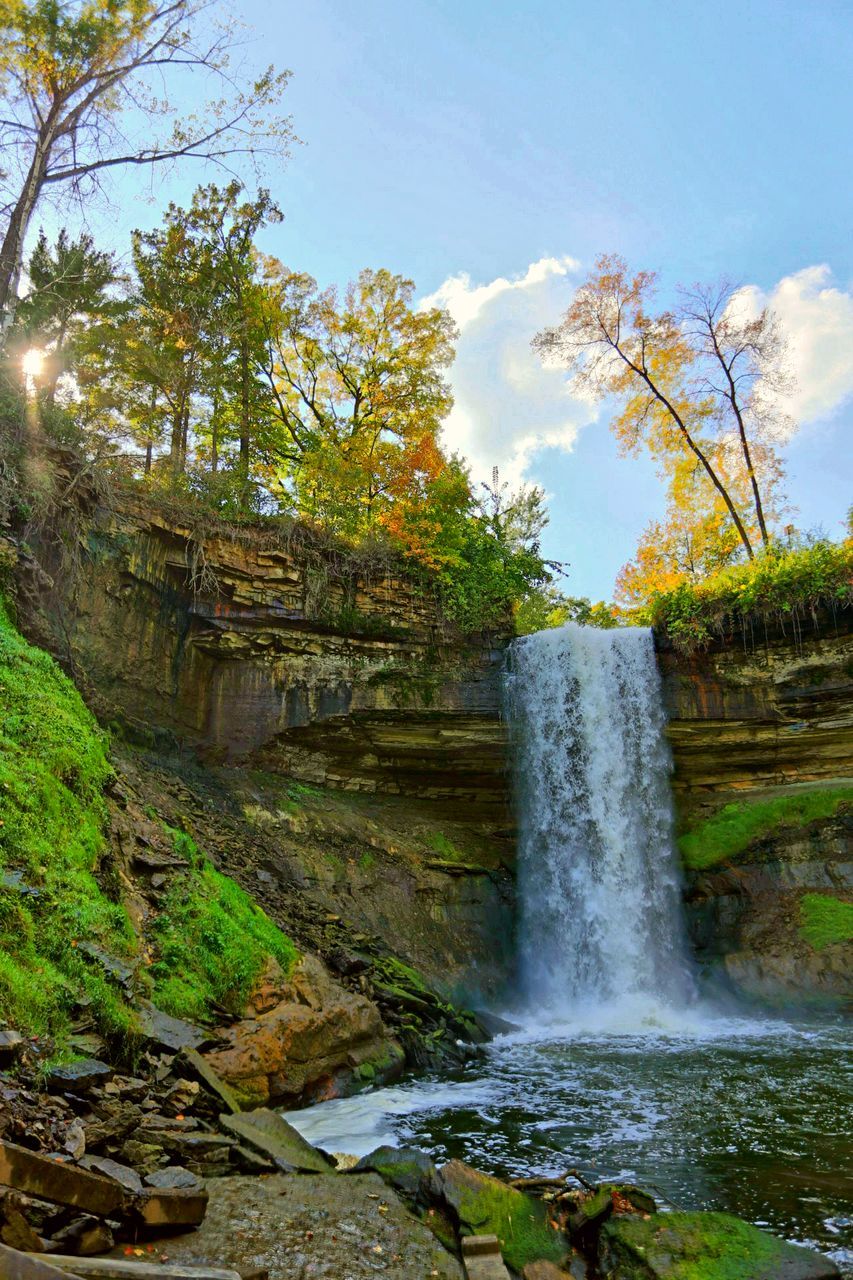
{"x": 212, "y": 941}
{"x": 738, "y": 825}
{"x": 53, "y": 768}
{"x": 825, "y": 920}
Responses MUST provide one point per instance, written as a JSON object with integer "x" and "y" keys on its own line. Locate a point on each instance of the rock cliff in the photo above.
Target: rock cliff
{"x": 274, "y": 654}
{"x": 757, "y": 722}
{"x": 269, "y": 648}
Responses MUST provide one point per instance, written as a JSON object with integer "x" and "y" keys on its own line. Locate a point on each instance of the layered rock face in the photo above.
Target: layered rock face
{"x": 761, "y": 711}
{"x": 756, "y": 719}
{"x": 272, "y": 649}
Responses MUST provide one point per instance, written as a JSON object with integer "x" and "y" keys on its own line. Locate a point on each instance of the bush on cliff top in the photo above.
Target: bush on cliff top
{"x": 777, "y": 584}
{"x": 53, "y": 767}
{"x": 738, "y": 825}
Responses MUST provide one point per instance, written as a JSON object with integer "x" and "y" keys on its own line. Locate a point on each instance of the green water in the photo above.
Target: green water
{"x": 752, "y": 1118}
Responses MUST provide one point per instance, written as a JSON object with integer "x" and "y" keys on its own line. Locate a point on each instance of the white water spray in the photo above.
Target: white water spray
{"x": 601, "y": 933}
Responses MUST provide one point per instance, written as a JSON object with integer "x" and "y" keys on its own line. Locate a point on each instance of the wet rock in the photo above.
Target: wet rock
{"x": 407, "y": 1170}
{"x": 145, "y": 1156}
{"x": 673, "y": 1245}
{"x": 11, "y": 1044}
{"x": 75, "y": 1139}
{"x": 543, "y": 1271}
{"x": 169, "y": 1033}
{"x": 211, "y": 1080}
{"x": 482, "y": 1258}
{"x": 79, "y": 1076}
{"x": 590, "y": 1215}
{"x": 486, "y": 1206}
{"x": 495, "y": 1025}
{"x": 175, "y": 1177}
{"x": 84, "y": 1237}
{"x": 309, "y": 1046}
{"x": 16, "y": 1231}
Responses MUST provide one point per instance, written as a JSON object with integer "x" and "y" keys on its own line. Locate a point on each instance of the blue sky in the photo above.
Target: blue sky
{"x": 482, "y": 145}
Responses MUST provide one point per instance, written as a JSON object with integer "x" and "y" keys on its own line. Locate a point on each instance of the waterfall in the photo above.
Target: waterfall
{"x": 600, "y": 898}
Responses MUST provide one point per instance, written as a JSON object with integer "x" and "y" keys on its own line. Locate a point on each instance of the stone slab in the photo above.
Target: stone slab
{"x": 130, "y": 1269}
{"x": 211, "y": 1079}
{"x": 60, "y": 1183}
{"x": 25, "y": 1266}
{"x": 266, "y": 1131}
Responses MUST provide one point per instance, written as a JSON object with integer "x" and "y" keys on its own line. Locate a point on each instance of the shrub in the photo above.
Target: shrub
{"x": 775, "y": 584}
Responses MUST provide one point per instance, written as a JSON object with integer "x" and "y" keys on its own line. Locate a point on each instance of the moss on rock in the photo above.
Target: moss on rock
{"x": 487, "y": 1206}
{"x": 702, "y": 1246}
{"x": 825, "y": 920}
{"x": 731, "y": 831}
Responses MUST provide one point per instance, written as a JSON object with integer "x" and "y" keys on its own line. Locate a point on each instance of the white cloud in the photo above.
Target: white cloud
{"x": 817, "y": 319}
{"x": 508, "y": 406}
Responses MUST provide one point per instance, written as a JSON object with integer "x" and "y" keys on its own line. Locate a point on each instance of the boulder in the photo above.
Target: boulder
{"x": 702, "y": 1246}
{"x": 484, "y": 1206}
{"x": 409, "y": 1171}
{"x": 315, "y": 1043}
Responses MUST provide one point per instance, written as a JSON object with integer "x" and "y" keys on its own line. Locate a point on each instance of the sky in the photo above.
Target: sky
{"x": 491, "y": 150}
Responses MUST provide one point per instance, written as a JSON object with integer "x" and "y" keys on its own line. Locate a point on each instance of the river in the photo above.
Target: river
{"x": 751, "y": 1117}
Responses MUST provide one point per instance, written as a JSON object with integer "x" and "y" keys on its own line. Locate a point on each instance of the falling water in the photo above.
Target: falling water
{"x": 600, "y": 922}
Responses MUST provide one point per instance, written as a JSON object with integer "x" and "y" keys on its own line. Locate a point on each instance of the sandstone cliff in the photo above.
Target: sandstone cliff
{"x": 755, "y": 722}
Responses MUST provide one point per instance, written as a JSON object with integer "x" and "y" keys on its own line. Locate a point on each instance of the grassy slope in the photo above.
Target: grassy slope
{"x": 212, "y": 940}
{"x": 732, "y": 830}
{"x": 60, "y": 893}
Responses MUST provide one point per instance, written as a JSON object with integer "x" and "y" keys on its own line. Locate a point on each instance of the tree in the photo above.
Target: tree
{"x": 358, "y": 392}
{"x": 741, "y": 367}
{"x": 687, "y": 382}
{"x": 224, "y": 227}
{"x": 72, "y": 293}
{"x": 77, "y": 75}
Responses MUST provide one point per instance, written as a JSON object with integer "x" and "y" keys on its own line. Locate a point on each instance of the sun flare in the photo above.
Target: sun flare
{"x": 32, "y": 364}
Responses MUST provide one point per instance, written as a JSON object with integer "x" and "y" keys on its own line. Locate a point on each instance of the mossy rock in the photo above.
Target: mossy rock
{"x": 702, "y": 1246}
{"x": 409, "y": 1171}
{"x": 485, "y": 1206}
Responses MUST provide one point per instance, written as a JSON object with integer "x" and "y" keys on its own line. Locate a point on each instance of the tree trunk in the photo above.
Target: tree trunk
{"x": 698, "y": 453}
{"x": 12, "y": 249}
{"x": 245, "y": 432}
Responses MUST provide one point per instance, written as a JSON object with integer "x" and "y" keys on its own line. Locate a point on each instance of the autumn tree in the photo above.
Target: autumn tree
{"x": 358, "y": 392}
{"x": 85, "y": 86}
{"x": 687, "y": 382}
